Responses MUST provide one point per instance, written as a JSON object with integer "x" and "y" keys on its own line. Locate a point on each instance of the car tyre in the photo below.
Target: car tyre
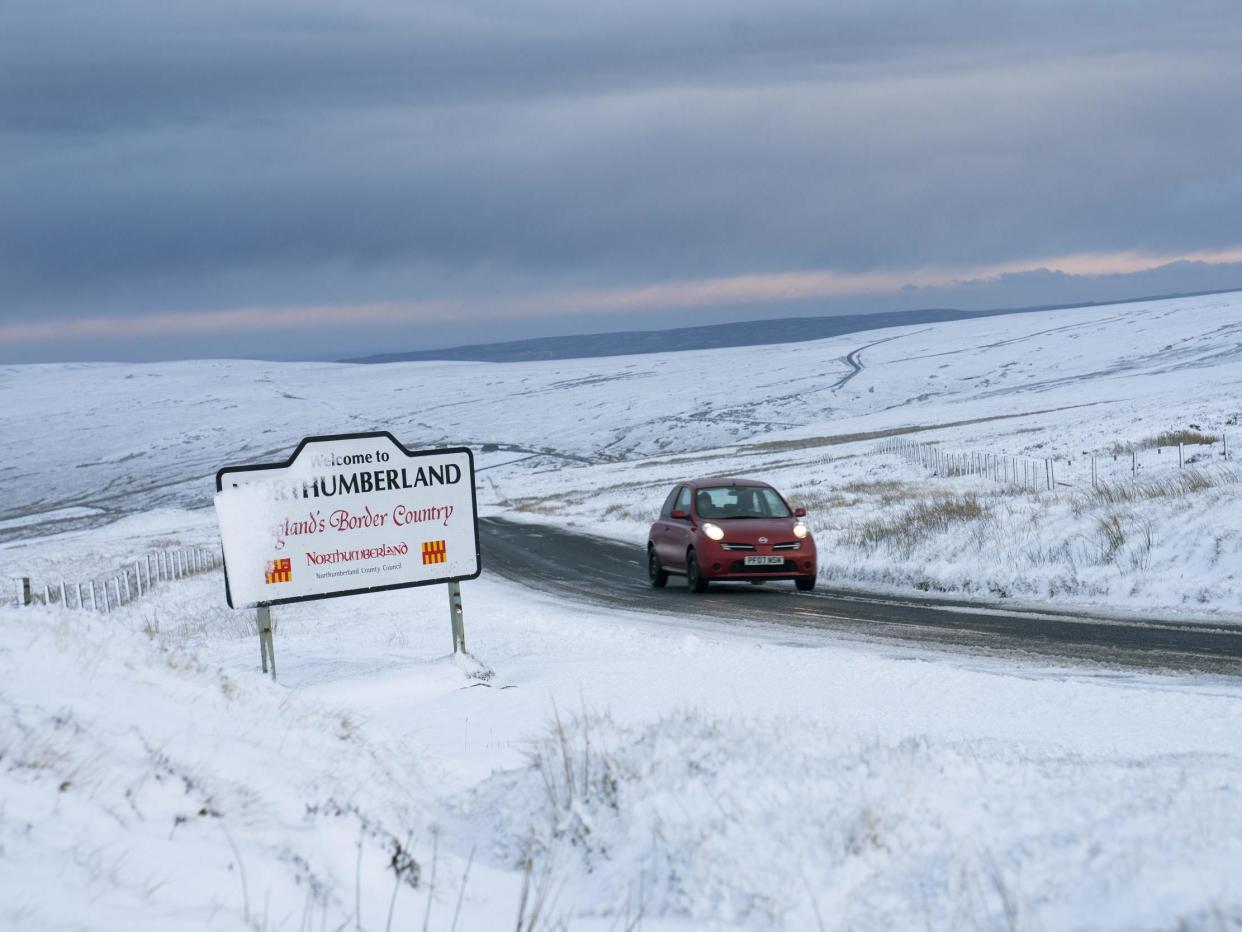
{"x": 805, "y": 583}
{"x": 657, "y": 576}
{"x": 694, "y": 576}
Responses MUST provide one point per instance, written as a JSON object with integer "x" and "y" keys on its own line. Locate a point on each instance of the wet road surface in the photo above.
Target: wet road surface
{"x": 613, "y": 574}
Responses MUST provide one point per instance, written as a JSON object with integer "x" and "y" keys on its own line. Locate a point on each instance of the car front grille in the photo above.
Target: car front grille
{"x": 738, "y": 546}
{"x": 791, "y": 545}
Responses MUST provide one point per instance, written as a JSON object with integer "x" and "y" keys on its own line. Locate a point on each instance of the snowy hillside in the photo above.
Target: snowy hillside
{"x": 596, "y": 442}
{"x": 594, "y": 769}
{"x": 702, "y": 777}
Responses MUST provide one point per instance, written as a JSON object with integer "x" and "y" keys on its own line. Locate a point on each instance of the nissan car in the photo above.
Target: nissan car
{"x": 720, "y": 530}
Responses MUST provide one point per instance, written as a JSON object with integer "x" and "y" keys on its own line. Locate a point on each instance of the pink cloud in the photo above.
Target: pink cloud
{"x": 692, "y": 293}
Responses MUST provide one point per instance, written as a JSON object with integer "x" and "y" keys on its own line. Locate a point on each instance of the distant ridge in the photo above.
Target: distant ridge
{"x": 717, "y": 336}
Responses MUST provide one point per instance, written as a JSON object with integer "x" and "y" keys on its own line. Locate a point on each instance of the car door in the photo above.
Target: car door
{"x": 660, "y": 530}
{"x": 680, "y": 532}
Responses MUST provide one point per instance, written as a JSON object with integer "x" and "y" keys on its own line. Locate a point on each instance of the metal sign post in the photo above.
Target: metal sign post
{"x": 456, "y": 617}
{"x": 266, "y": 649}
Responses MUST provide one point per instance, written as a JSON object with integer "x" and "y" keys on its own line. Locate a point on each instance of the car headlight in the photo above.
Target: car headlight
{"x": 801, "y": 531}
{"x": 715, "y": 532}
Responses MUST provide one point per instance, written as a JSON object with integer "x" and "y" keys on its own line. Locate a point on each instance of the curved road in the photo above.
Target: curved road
{"x": 612, "y": 574}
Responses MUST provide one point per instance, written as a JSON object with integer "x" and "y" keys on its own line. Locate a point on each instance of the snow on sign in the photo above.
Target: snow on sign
{"x": 347, "y": 514}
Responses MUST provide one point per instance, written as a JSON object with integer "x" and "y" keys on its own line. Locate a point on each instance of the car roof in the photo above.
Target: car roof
{"x": 714, "y": 481}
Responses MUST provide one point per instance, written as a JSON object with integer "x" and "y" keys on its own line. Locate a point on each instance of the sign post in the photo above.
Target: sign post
{"x": 456, "y": 619}
{"x": 345, "y": 515}
{"x": 266, "y": 652}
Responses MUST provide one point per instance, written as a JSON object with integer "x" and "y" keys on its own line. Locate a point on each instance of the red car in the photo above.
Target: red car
{"x": 730, "y": 529}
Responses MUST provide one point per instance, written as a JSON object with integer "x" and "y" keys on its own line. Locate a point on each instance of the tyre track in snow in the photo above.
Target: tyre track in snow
{"x": 853, "y": 358}
{"x": 612, "y": 574}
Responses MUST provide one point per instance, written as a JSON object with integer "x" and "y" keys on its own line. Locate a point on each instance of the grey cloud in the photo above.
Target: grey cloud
{"x": 180, "y": 156}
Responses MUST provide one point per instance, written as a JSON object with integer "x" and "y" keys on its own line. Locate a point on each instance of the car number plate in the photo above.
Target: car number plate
{"x": 765, "y": 561}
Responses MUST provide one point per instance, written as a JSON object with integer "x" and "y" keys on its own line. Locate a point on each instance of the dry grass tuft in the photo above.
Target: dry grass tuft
{"x": 1168, "y": 438}
{"x": 1184, "y": 482}
{"x": 877, "y": 487}
{"x": 919, "y": 522}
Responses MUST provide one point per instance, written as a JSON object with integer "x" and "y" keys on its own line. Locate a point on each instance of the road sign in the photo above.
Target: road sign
{"x": 344, "y": 515}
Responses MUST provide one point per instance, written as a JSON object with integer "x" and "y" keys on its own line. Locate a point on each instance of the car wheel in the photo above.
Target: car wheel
{"x": 657, "y": 576}
{"x": 805, "y": 583}
{"x": 694, "y": 578}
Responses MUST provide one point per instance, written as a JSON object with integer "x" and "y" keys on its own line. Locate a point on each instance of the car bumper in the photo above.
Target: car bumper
{"x": 717, "y": 563}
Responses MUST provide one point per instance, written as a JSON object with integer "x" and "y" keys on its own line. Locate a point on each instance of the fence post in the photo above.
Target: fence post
{"x": 125, "y": 576}
{"x": 107, "y": 608}
{"x": 1134, "y": 462}
{"x": 1181, "y": 455}
{"x": 47, "y": 594}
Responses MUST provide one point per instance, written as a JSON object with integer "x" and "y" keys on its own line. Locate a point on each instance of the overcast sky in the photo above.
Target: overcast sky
{"x": 280, "y": 178}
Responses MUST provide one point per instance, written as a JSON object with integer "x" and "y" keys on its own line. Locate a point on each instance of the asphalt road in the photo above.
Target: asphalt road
{"x": 613, "y": 574}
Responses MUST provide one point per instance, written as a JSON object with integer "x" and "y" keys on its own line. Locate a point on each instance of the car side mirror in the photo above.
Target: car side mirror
{"x": 677, "y": 514}
{"x": 799, "y": 512}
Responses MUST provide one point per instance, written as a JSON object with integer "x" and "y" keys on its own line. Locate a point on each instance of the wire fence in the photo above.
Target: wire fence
{"x": 110, "y": 591}
{"x": 1034, "y": 474}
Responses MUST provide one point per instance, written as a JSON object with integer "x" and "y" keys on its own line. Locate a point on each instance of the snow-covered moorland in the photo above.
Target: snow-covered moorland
{"x": 616, "y": 771}
{"x": 596, "y": 442}
{"x": 682, "y": 774}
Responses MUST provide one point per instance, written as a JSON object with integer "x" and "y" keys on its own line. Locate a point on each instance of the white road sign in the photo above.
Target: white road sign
{"x": 344, "y": 515}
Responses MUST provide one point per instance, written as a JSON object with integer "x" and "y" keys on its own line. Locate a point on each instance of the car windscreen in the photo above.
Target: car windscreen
{"x": 729, "y": 501}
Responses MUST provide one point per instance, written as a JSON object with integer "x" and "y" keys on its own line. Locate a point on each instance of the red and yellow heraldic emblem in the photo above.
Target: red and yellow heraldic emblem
{"x": 435, "y": 551}
{"x": 275, "y": 571}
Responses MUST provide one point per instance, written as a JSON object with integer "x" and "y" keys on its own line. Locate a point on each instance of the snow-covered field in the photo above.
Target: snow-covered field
{"x": 597, "y": 442}
{"x": 706, "y": 778}
{"x": 630, "y": 772}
